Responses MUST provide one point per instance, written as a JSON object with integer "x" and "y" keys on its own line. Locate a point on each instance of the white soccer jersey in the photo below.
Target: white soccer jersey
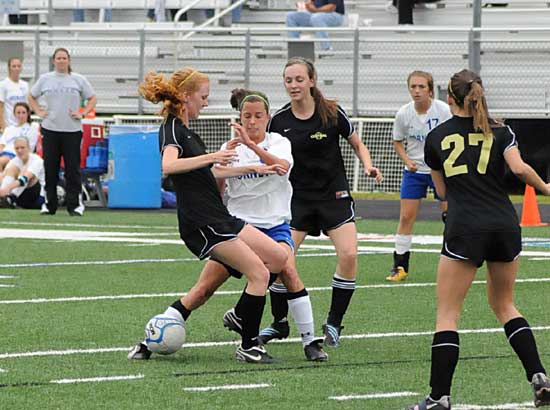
{"x": 10, "y": 94}
{"x": 35, "y": 165}
{"x": 11, "y": 133}
{"x": 413, "y": 127}
{"x": 261, "y": 200}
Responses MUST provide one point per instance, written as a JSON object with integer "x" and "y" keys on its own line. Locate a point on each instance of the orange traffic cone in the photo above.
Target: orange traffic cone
{"x": 530, "y": 215}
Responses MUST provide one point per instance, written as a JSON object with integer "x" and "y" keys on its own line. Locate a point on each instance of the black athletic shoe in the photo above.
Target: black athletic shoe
{"x": 332, "y": 334}
{"x": 256, "y": 354}
{"x": 277, "y": 330}
{"x": 444, "y": 403}
{"x": 314, "y": 351}
{"x": 232, "y": 321}
{"x": 140, "y": 352}
{"x": 541, "y": 388}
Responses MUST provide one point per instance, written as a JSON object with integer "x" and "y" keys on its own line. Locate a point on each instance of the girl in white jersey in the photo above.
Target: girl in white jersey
{"x": 23, "y": 128}
{"x": 22, "y": 182}
{"x": 412, "y": 124}
{"x": 205, "y": 225}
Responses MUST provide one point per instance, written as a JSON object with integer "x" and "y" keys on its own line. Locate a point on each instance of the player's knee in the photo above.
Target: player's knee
{"x": 347, "y": 258}
{"x": 277, "y": 260}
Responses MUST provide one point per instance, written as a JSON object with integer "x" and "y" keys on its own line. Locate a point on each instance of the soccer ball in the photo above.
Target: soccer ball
{"x": 164, "y": 335}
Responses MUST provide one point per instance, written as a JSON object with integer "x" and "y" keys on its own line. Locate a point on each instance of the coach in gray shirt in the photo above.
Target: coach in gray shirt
{"x": 62, "y": 129}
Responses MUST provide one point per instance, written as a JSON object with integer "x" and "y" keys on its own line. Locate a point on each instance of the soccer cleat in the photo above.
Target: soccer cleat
{"x": 332, "y": 334}
{"x": 397, "y": 275}
{"x": 541, "y": 388}
{"x": 314, "y": 351}
{"x": 444, "y": 403}
{"x": 232, "y": 321}
{"x": 44, "y": 210}
{"x": 140, "y": 352}
{"x": 277, "y": 330}
{"x": 256, "y": 354}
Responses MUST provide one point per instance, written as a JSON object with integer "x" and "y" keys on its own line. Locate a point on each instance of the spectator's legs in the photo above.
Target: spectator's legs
{"x": 51, "y": 147}
{"x": 71, "y": 155}
{"x": 326, "y": 20}
{"x": 405, "y": 11}
{"x": 236, "y": 13}
{"x": 298, "y": 19}
{"x": 151, "y": 14}
{"x": 160, "y": 10}
{"x": 108, "y": 17}
{"x": 78, "y": 15}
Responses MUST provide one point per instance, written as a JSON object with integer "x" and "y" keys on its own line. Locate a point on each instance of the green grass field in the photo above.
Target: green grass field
{"x": 75, "y": 294}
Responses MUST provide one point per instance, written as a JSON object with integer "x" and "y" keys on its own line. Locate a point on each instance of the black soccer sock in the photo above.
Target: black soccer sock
{"x": 401, "y": 260}
{"x": 279, "y": 305}
{"x": 342, "y": 291}
{"x": 252, "y": 310}
{"x": 272, "y": 278}
{"x": 182, "y": 309}
{"x": 445, "y": 350}
{"x": 239, "y": 305}
{"x": 521, "y": 338}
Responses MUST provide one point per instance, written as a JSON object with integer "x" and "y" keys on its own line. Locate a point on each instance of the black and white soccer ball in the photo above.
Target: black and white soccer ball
{"x": 164, "y": 335}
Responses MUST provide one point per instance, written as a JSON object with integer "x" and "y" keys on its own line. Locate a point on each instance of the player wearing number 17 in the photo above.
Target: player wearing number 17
{"x": 468, "y": 156}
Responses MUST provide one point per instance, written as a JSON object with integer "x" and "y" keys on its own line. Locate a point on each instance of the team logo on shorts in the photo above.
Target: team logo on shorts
{"x": 318, "y": 136}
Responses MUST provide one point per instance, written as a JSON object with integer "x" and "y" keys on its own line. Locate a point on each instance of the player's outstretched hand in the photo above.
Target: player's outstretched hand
{"x": 223, "y": 157}
{"x": 233, "y": 143}
{"x": 242, "y": 135}
{"x": 270, "y": 169}
{"x": 375, "y": 173}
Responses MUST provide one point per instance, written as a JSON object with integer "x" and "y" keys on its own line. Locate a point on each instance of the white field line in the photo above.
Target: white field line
{"x": 373, "y": 396}
{"x": 98, "y": 379}
{"x": 6, "y": 286}
{"x": 172, "y": 228}
{"x": 234, "y": 343}
{"x": 233, "y": 292}
{"x": 8, "y": 277}
{"x": 3, "y": 371}
{"x": 227, "y": 387}
{"x": 506, "y": 406}
{"x": 84, "y": 263}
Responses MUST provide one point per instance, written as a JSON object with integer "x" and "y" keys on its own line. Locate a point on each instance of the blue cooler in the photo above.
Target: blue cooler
{"x": 134, "y": 167}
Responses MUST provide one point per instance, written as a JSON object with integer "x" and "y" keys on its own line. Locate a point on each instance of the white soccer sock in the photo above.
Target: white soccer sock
{"x": 301, "y": 311}
{"x": 174, "y": 313}
{"x": 403, "y": 243}
{"x": 8, "y": 179}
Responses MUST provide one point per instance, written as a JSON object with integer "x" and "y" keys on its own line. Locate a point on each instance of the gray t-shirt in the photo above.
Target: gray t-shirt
{"x": 61, "y": 93}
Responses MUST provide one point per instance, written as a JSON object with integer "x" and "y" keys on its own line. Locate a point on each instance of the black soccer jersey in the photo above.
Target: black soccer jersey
{"x": 198, "y": 199}
{"x": 318, "y": 172}
{"x": 473, "y": 167}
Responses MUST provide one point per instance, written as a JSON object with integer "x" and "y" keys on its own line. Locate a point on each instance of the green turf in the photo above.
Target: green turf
{"x": 489, "y": 373}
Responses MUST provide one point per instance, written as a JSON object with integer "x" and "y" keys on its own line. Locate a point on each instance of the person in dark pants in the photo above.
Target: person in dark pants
{"x": 62, "y": 129}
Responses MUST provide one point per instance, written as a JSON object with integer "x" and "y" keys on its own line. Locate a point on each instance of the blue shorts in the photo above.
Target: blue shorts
{"x": 415, "y": 185}
{"x": 8, "y": 154}
{"x": 280, "y": 233}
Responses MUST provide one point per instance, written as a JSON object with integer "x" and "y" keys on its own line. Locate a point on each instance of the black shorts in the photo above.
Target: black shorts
{"x": 485, "y": 246}
{"x": 316, "y": 216}
{"x": 30, "y": 198}
{"x": 202, "y": 240}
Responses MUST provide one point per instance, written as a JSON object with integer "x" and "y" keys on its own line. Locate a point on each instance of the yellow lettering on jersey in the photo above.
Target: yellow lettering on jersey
{"x": 486, "y": 144}
{"x": 318, "y": 136}
{"x": 457, "y": 142}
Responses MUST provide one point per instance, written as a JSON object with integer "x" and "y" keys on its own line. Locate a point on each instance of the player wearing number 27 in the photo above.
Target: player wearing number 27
{"x": 468, "y": 155}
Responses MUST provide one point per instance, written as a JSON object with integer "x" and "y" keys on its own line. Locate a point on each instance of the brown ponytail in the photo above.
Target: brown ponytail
{"x": 172, "y": 92}
{"x": 327, "y": 109}
{"x": 466, "y": 89}
{"x": 240, "y": 95}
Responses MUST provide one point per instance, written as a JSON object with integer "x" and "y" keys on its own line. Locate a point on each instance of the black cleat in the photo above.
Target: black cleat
{"x": 332, "y": 334}
{"x": 256, "y": 354}
{"x": 232, "y": 321}
{"x": 140, "y": 352}
{"x": 444, "y": 403}
{"x": 277, "y": 330}
{"x": 314, "y": 351}
{"x": 541, "y": 388}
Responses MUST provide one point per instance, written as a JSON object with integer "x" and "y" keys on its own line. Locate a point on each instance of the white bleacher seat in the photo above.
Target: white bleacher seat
{"x": 119, "y": 4}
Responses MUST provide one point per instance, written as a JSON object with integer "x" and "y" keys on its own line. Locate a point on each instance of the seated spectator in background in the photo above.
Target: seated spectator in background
{"x": 22, "y": 183}
{"x": 317, "y": 13}
{"x": 12, "y": 90}
{"x": 404, "y": 9}
{"x": 78, "y": 15}
{"x": 24, "y": 128}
